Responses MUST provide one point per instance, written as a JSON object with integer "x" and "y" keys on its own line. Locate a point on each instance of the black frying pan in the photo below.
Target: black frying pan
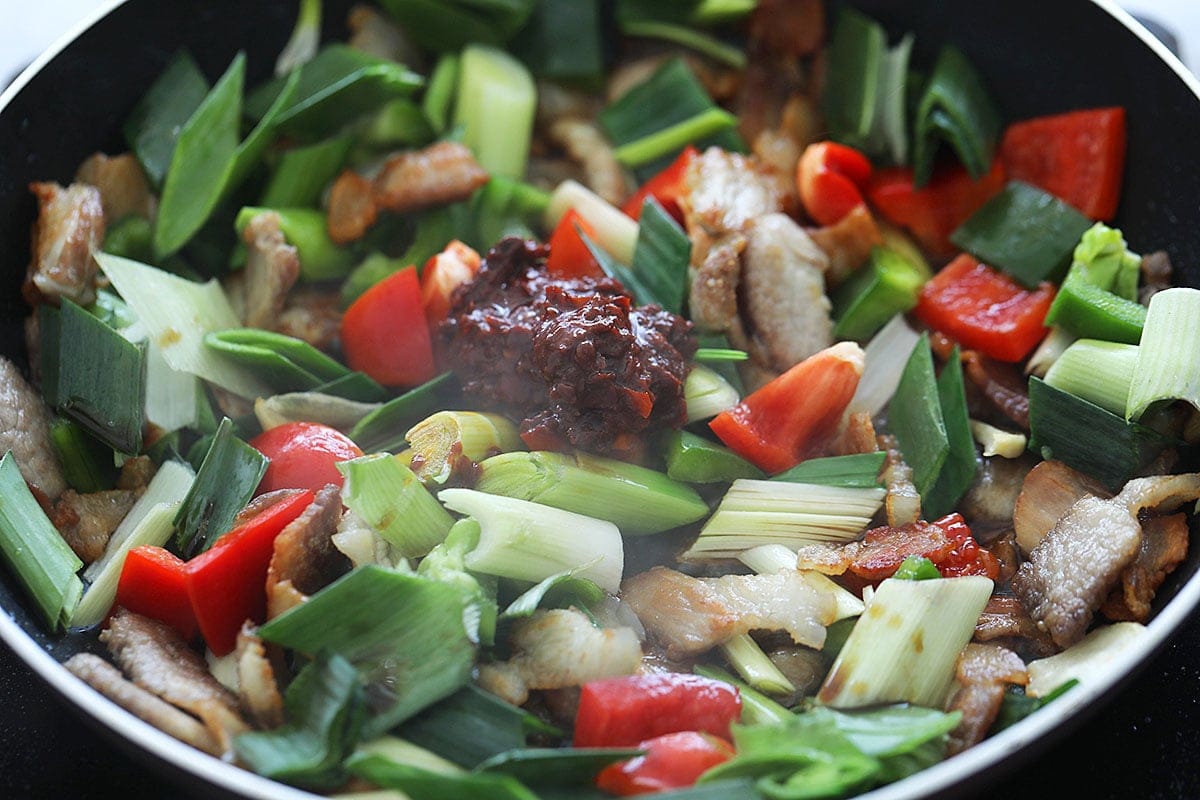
{"x": 1039, "y": 56}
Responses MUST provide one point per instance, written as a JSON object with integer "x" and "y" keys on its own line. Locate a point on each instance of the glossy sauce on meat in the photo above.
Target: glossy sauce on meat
{"x": 574, "y": 358}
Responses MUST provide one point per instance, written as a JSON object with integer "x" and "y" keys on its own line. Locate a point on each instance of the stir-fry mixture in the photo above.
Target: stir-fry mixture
{"x": 510, "y": 402}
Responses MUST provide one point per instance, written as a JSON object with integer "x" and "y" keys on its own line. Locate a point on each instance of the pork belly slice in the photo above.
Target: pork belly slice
{"x": 108, "y": 681}
{"x": 305, "y": 559}
{"x": 586, "y": 145}
{"x": 1005, "y": 622}
{"x": 122, "y": 185}
{"x": 1164, "y": 547}
{"x": 445, "y": 172}
{"x": 848, "y": 243}
{"x": 87, "y": 521}
{"x": 68, "y": 231}
{"x": 712, "y": 294}
{"x": 983, "y": 672}
{"x": 1082, "y": 558}
{"x": 25, "y": 429}
{"x": 691, "y": 615}
{"x": 312, "y": 315}
{"x": 272, "y": 269}
{"x": 258, "y": 691}
{"x": 156, "y": 658}
{"x": 725, "y": 191}
{"x": 557, "y": 649}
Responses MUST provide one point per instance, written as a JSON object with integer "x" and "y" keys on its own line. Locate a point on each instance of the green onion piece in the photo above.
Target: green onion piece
{"x": 1088, "y": 438}
{"x": 154, "y": 528}
{"x": 93, "y": 375}
{"x": 720, "y": 354}
{"x": 177, "y": 314}
{"x": 1087, "y": 310}
{"x": 1168, "y": 363}
{"x": 442, "y": 440}
{"x": 438, "y": 101}
{"x": 851, "y": 98}
{"x": 303, "y": 173}
{"x": 391, "y": 499}
{"x": 1096, "y": 371}
{"x": 506, "y": 207}
{"x": 172, "y": 397}
{"x": 889, "y": 129}
{"x": 446, "y": 563}
{"x": 707, "y": 393}
{"x": 399, "y": 123}
{"x": 130, "y": 237}
{"x": 530, "y": 542}
{"x": 703, "y": 43}
{"x": 905, "y": 738}
{"x": 888, "y": 285}
{"x": 749, "y": 661}
{"x": 556, "y": 767}
{"x": 404, "y": 752}
{"x": 1108, "y": 262}
{"x": 495, "y": 92}
{"x": 563, "y": 41}
{"x": 673, "y": 138}
{"x": 384, "y": 428}
{"x": 856, "y": 471}
{"x": 469, "y": 727}
{"x": 156, "y": 122}
{"x": 371, "y": 270}
{"x": 283, "y": 362}
{"x": 1025, "y": 232}
{"x": 958, "y": 471}
{"x": 422, "y": 784}
{"x": 955, "y": 108}
{"x": 694, "y": 459}
{"x": 442, "y": 25}
{"x": 338, "y": 84}
{"x": 326, "y": 409}
{"x": 635, "y": 499}
{"x": 886, "y": 356}
{"x": 906, "y": 643}
{"x": 757, "y": 708}
{"x": 35, "y": 552}
{"x": 354, "y": 386}
{"x": 726, "y": 369}
{"x": 306, "y": 36}
{"x": 306, "y": 230}
{"x": 615, "y": 231}
{"x": 915, "y": 417}
{"x": 754, "y": 513}
{"x": 661, "y": 256}
{"x": 225, "y": 482}
{"x": 404, "y": 633}
{"x": 670, "y": 96}
{"x": 916, "y": 568}
{"x": 326, "y": 708}
{"x": 617, "y": 271}
{"x": 86, "y": 461}
{"x": 1088, "y": 660}
{"x": 549, "y": 592}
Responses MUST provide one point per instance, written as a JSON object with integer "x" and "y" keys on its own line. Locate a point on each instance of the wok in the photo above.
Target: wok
{"x": 1038, "y": 57}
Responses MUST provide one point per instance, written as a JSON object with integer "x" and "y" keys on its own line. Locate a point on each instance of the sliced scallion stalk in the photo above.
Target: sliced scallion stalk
{"x": 399, "y": 123}
{"x": 955, "y": 108}
{"x": 694, "y": 459}
{"x": 86, "y": 461}
{"x": 755, "y": 513}
{"x": 303, "y": 173}
{"x": 720, "y": 354}
{"x": 442, "y": 25}
{"x": 707, "y": 393}
{"x": 172, "y": 397}
{"x": 384, "y": 428}
{"x": 858, "y": 471}
{"x": 635, "y": 499}
{"x": 506, "y": 207}
{"x": 673, "y": 138}
{"x": 886, "y": 354}
{"x": 530, "y": 542}
{"x": 906, "y": 643}
{"x": 35, "y": 552}
{"x": 661, "y": 256}
{"x": 749, "y": 661}
{"x": 438, "y": 101}
{"x": 757, "y": 708}
{"x": 495, "y": 91}
{"x": 225, "y": 482}
{"x": 470, "y": 726}
{"x": 155, "y": 124}
{"x": 391, "y": 499}
{"x": 1088, "y": 310}
{"x": 446, "y": 563}
{"x": 1099, "y": 372}
{"x": 1088, "y": 661}
{"x": 550, "y": 591}
{"x": 1168, "y": 361}
{"x": 440, "y": 441}
{"x": 615, "y": 232}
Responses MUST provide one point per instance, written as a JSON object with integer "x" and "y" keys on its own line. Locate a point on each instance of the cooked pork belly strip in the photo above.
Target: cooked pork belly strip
{"x": 446, "y": 172}
{"x": 25, "y": 429}
{"x": 1164, "y": 547}
{"x": 87, "y": 521}
{"x": 305, "y": 559}
{"x": 257, "y": 690}
{"x": 69, "y": 229}
{"x": 121, "y": 183}
{"x": 983, "y": 673}
{"x": 272, "y": 268}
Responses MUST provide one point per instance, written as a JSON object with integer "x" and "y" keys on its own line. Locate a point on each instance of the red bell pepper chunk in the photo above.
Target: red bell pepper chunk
{"x": 384, "y": 332}
{"x": 444, "y": 273}
{"x": 620, "y": 712}
{"x": 795, "y": 415}
{"x": 303, "y": 455}
{"x": 831, "y": 178}
{"x": 672, "y": 761}
{"x": 153, "y": 583}
{"x": 569, "y": 254}
{"x": 985, "y": 310}
{"x": 1078, "y": 157}
{"x": 932, "y": 213}
{"x": 227, "y": 583}
{"x": 666, "y": 187}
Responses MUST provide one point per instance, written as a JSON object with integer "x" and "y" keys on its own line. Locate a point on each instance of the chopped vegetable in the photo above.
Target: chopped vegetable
{"x": 615, "y": 232}
{"x": 569, "y": 256}
{"x": 666, "y": 187}
{"x": 1167, "y": 365}
{"x": 755, "y": 667}
{"x": 998, "y": 442}
{"x": 495, "y": 91}
{"x": 153, "y": 583}
{"x": 856, "y": 471}
{"x": 443, "y": 273}
{"x": 470, "y": 726}
{"x": 707, "y": 393}
{"x": 886, "y": 286}
{"x": 385, "y": 427}
{"x": 563, "y": 41}
{"x": 831, "y": 178}
{"x": 958, "y": 472}
{"x": 660, "y": 258}
{"x": 694, "y": 459}
{"x": 384, "y": 332}
{"x": 388, "y": 496}
{"x": 668, "y": 141}
{"x": 955, "y": 109}
{"x": 620, "y": 712}
{"x": 156, "y": 123}
{"x": 225, "y": 482}
{"x": 671, "y": 761}
{"x": 448, "y": 443}
{"x": 886, "y": 354}
{"x": 1085, "y": 309}
{"x": 442, "y": 26}
{"x": 303, "y": 455}
{"x": 1096, "y": 371}
{"x": 306, "y": 230}
{"x": 1106, "y": 260}
{"x": 915, "y": 417}
{"x": 1086, "y": 662}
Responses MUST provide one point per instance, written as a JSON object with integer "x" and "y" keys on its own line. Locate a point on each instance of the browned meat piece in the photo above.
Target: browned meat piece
{"x": 993, "y": 495}
{"x": 262, "y": 503}
{"x": 86, "y": 521}
{"x": 1156, "y": 275}
{"x": 713, "y": 293}
{"x": 156, "y": 658}
{"x": 1164, "y": 547}
{"x": 1047, "y": 494}
{"x": 25, "y": 429}
{"x": 305, "y": 559}
{"x": 690, "y": 615}
{"x": 272, "y": 268}
{"x": 586, "y": 145}
{"x": 257, "y": 689}
{"x": 352, "y": 207}
{"x": 790, "y": 28}
{"x": 312, "y": 315}
{"x": 108, "y": 681}
{"x": 782, "y": 293}
{"x": 122, "y": 185}
{"x": 446, "y": 172}
{"x": 847, "y": 243}
{"x": 69, "y": 229}
{"x": 1003, "y": 546}
{"x": 136, "y": 473}
{"x": 560, "y": 648}
{"x": 725, "y": 191}
{"x": 783, "y": 52}
{"x": 1073, "y": 569}
{"x": 903, "y": 501}
{"x": 1000, "y": 383}
{"x": 1005, "y": 621}
{"x": 983, "y": 672}
{"x": 858, "y": 436}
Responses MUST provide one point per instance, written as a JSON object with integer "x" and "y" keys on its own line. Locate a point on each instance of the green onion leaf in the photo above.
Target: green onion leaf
{"x": 86, "y": 461}
{"x": 402, "y": 632}
{"x": 385, "y": 428}
{"x": 442, "y": 25}
{"x": 694, "y": 459}
{"x": 225, "y": 482}
{"x": 284, "y": 362}
{"x": 438, "y": 101}
{"x": 1025, "y": 232}
{"x": 661, "y": 256}
{"x": 306, "y": 36}
{"x": 720, "y": 354}
{"x": 856, "y": 471}
{"x": 955, "y": 108}
{"x": 155, "y": 124}
{"x": 470, "y": 726}
{"x": 1168, "y": 360}
{"x": 755, "y": 667}
{"x": 556, "y": 767}
{"x": 562, "y": 41}
{"x": 446, "y": 563}
{"x": 37, "y": 555}
{"x": 303, "y": 173}
{"x": 668, "y": 141}
{"x": 616, "y": 232}
{"x": 1018, "y": 705}
{"x": 915, "y": 417}
{"x": 506, "y": 207}
{"x": 400, "y": 123}
{"x": 852, "y": 90}
{"x": 958, "y": 471}
{"x": 392, "y": 500}
{"x": 547, "y": 594}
